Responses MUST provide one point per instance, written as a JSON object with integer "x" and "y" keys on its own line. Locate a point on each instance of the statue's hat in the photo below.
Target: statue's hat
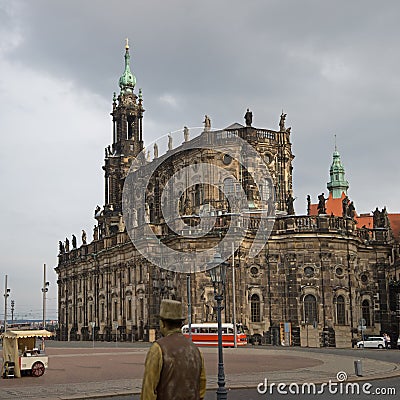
{"x": 171, "y": 309}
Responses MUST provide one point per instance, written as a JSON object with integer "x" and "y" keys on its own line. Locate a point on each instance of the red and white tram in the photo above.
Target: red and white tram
{"x": 207, "y": 334}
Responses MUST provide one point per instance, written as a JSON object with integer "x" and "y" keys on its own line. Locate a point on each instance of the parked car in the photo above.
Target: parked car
{"x": 375, "y": 342}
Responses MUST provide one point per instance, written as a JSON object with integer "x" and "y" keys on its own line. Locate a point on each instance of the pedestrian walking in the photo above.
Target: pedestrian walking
{"x": 386, "y": 338}
{"x": 174, "y": 367}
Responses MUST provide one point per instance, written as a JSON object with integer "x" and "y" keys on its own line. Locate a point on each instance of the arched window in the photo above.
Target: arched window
{"x": 265, "y": 191}
{"x": 310, "y": 309}
{"x": 255, "y": 308}
{"x": 340, "y": 310}
{"x": 366, "y": 312}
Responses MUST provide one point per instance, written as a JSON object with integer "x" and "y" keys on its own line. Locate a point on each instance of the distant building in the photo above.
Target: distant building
{"x": 322, "y": 273}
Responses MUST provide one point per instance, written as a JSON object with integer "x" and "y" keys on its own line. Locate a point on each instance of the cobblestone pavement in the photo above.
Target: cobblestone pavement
{"x": 78, "y": 373}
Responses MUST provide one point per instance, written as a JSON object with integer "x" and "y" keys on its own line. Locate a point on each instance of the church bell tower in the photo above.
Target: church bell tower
{"x": 127, "y": 115}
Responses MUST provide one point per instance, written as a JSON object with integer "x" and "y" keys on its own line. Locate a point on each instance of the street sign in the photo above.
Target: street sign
{"x": 362, "y": 328}
{"x": 362, "y": 322}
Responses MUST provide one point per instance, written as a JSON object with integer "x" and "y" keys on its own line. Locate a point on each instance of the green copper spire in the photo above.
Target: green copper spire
{"x": 127, "y": 81}
{"x": 338, "y": 183}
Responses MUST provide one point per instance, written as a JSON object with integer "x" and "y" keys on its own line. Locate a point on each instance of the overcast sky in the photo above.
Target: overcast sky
{"x": 333, "y": 67}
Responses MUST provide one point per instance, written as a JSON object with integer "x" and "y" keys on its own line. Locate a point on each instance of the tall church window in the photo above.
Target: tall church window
{"x": 255, "y": 308}
{"x": 366, "y": 312}
{"x": 115, "y": 311}
{"x": 310, "y": 309}
{"x": 341, "y": 310}
{"x": 140, "y": 273}
{"x": 265, "y": 190}
{"x": 129, "y": 309}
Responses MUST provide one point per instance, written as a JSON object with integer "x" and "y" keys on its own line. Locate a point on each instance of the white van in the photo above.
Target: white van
{"x": 375, "y": 342}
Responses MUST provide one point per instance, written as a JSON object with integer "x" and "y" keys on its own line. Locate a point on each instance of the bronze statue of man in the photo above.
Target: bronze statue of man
{"x": 174, "y": 367}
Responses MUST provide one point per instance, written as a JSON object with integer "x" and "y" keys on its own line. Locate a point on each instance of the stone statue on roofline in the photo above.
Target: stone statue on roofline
{"x": 155, "y": 150}
{"x": 385, "y": 218}
{"x": 169, "y": 142}
{"x": 207, "y": 123}
{"x": 345, "y": 206}
{"x": 376, "y": 217}
{"x": 289, "y": 205}
{"x": 321, "y": 204}
{"x": 248, "y": 117}
{"x": 282, "y": 122}
{"x": 351, "y": 210}
{"x": 83, "y": 236}
{"x": 186, "y": 133}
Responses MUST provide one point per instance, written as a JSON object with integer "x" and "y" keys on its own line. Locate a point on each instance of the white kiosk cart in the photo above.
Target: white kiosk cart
{"x": 20, "y": 353}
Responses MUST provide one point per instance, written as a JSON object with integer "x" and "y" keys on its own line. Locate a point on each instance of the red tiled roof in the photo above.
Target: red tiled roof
{"x": 365, "y": 220}
{"x": 395, "y": 224}
{"x": 334, "y": 206}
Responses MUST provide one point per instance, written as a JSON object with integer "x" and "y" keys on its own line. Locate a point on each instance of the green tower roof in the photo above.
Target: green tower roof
{"x": 338, "y": 183}
{"x": 127, "y": 81}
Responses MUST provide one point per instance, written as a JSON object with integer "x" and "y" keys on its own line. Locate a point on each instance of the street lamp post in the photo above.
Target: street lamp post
{"x": 217, "y": 273}
{"x": 45, "y": 289}
{"x": 307, "y": 323}
{"x": 189, "y": 297}
{"x": 93, "y": 324}
{"x": 6, "y": 294}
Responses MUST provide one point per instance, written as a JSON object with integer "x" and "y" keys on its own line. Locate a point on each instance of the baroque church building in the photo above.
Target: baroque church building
{"x": 318, "y": 280}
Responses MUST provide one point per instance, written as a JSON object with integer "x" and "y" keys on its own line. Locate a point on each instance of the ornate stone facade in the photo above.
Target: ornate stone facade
{"x": 319, "y": 273}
